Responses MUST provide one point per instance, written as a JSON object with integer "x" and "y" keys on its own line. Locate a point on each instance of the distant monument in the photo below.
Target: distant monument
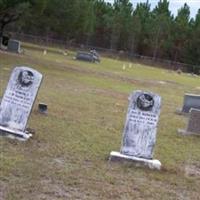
{"x": 91, "y": 56}
{"x": 17, "y": 102}
{"x": 190, "y": 101}
{"x": 193, "y": 127}
{"x": 140, "y": 129}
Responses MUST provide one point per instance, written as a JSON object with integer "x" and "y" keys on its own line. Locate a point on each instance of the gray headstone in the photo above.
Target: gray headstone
{"x": 194, "y": 121}
{"x": 14, "y": 46}
{"x": 139, "y": 134}
{"x": 191, "y": 101}
{"x": 85, "y": 56}
{"x": 18, "y": 100}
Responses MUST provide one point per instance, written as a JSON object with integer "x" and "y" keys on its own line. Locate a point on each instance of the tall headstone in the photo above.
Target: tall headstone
{"x": 193, "y": 127}
{"x": 140, "y": 129}
{"x": 14, "y": 46}
{"x": 17, "y": 101}
{"x": 190, "y": 101}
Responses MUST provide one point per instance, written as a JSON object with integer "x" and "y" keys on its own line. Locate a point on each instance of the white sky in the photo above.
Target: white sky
{"x": 174, "y": 5}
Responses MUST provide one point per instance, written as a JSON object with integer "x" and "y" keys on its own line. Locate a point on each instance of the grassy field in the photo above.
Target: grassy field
{"x": 67, "y": 158}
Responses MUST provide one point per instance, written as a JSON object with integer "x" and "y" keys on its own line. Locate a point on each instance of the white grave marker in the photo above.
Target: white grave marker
{"x": 140, "y": 129}
{"x": 18, "y": 100}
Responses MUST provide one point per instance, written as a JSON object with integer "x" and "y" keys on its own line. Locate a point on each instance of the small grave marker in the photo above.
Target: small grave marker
{"x": 42, "y": 108}
{"x": 140, "y": 129}
{"x": 193, "y": 127}
{"x": 17, "y": 102}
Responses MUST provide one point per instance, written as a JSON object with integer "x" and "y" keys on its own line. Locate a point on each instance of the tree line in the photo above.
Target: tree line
{"x": 119, "y": 26}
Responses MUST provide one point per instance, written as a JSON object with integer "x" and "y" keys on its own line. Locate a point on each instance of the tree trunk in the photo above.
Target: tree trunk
{"x": 2, "y": 26}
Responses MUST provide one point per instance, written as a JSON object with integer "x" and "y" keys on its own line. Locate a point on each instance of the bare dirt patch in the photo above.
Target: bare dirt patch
{"x": 192, "y": 170}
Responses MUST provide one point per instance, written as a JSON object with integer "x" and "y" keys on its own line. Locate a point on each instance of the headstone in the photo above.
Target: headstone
{"x": 96, "y": 56}
{"x": 14, "y": 46}
{"x": 85, "y": 56}
{"x": 42, "y": 108}
{"x": 140, "y": 129}
{"x": 193, "y": 127}
{"x": 18, "y": 100}
{"x": 190, "y": 101}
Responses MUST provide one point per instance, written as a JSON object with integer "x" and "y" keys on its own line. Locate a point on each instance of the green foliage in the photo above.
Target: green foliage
{"x": 118, "y": 26}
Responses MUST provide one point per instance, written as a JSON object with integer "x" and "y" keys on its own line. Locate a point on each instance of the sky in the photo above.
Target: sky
{"x": 174, "y": 5}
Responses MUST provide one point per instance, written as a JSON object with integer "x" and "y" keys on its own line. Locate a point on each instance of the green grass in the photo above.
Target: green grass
{"x": 67, "y": 158}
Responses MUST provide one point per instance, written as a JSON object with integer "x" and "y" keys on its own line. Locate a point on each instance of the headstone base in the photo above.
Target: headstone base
{"x": 22, "y": 136}
{"x": 185, "y": 132}
{"x": 180, "y": 112}
{"x": 152, "y": 164}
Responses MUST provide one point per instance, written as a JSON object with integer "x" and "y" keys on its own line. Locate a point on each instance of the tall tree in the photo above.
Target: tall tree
{"x": 121, "y": 24}
{"x": 140, "y": 28}
{"x": 10, "y": 11}
{"x": 104, "y": 19}
{"x": 160, "y": 30}
{"x": 181, "y": 32}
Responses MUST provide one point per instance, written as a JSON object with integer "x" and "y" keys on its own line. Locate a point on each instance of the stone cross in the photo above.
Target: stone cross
{"x": 139, "y": 135}
{"x": 18, "y": 100}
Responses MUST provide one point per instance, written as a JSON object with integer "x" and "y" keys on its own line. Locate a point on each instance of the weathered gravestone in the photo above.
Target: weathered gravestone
{"x": 14, "y": 46}
{"x": 17, "y": 102}
{"x": 190, "y": 101}
{"x": 193, "y": 127}
{"x": 140, "y": 129}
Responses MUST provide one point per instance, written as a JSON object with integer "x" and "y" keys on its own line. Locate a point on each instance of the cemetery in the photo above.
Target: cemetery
{"x": 107, "y": 132}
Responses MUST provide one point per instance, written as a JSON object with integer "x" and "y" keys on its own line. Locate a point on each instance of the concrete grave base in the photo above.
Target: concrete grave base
{"x": 152, "y": 164}
{"x": 180, "y": 112}
{"x": 185, "y": 132}
{"x": 22, "y": 136}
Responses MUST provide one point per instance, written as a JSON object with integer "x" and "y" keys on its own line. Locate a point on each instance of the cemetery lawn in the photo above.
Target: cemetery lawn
{"x": 67, "y": 158}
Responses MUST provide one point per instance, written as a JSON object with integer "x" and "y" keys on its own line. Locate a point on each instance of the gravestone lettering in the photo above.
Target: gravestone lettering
{"x": 18, "y": 100}
{"x": 139, "y": 135}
